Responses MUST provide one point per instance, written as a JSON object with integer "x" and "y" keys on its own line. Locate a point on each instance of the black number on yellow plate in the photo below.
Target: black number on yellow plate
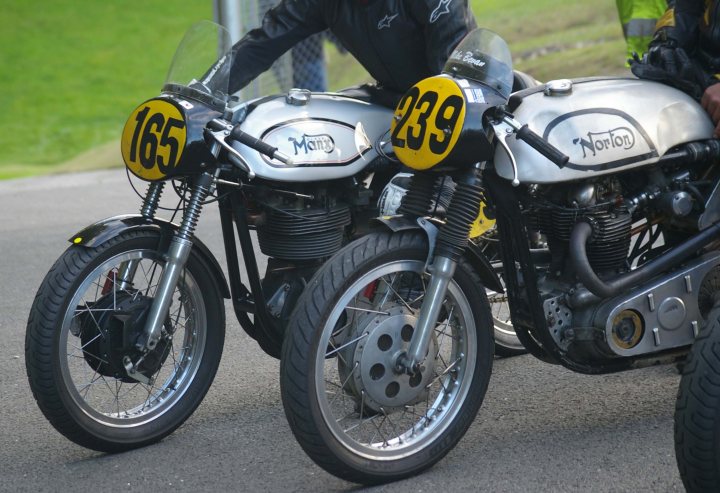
{"x": 428, "y": 122}
{"x": 153, "y": 139}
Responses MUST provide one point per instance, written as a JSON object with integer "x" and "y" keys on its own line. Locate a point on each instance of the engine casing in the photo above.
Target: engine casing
{"x": 603, "y": 126}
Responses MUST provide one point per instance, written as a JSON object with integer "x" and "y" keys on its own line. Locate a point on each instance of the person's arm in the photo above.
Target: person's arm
{"x": 282, "y": 27}
{"x": 445, "y": 24}
{"x": 680, "y": 23}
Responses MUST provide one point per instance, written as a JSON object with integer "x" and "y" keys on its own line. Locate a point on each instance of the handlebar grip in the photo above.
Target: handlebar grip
{"x": 254, "y": 143}
{"x": 542, "y": 146}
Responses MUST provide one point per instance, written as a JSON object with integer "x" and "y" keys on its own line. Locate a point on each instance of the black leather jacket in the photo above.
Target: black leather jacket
{"x": 399, "y": 42}
{"x": 695, "y": 26}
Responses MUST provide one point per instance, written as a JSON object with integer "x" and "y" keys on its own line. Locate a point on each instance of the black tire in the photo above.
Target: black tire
{"x": 72, "y": 334}
{"x": 461, "y": 385}
{"x": 697, "y": 412}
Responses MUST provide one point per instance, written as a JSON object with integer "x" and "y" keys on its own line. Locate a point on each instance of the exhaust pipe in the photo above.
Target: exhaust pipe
{"x": 607, "y": 289}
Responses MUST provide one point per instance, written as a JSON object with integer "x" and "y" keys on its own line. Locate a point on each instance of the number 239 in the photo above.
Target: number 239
{"x": 417, "y": 109}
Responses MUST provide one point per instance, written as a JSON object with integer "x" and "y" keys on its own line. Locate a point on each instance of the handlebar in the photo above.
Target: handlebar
{"x": 259, "y": 145}
{"x": 542, "y": 146}
{"x": 221, "y": 131}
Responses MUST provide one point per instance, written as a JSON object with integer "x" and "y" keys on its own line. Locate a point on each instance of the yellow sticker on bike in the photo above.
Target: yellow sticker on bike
{"x": 153, "y": 139}
{"x": 427, "y": 122}
{"x": 483, "y": 223}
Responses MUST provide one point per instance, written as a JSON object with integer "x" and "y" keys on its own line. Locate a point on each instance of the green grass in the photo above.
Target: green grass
{"x": 73, "y": 70}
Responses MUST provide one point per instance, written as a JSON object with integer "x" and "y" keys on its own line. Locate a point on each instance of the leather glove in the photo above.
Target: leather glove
{"x": 671, "y": 65}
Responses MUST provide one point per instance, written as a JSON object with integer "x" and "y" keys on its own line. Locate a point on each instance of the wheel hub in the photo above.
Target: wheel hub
{"x": 108, "y": 332}
{"x": 375, "y": 378}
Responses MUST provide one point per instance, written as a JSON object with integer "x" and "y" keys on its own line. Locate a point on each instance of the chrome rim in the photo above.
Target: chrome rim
{"x": 369, "y": 408}
{"x": 109, "y": 399}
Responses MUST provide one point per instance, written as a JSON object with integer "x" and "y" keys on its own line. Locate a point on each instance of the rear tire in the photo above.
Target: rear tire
{"x": 349, "y": 410}
{"x": 697, "y": 412}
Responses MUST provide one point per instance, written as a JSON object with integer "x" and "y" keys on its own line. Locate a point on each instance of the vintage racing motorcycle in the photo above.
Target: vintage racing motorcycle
{"x": 606, "y": 194}
{"x": 126, "y": 331}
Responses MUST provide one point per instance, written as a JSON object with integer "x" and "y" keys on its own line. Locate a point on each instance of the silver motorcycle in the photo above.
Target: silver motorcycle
{"x": 606, "y": 194}
{"x": 127, "y": 329}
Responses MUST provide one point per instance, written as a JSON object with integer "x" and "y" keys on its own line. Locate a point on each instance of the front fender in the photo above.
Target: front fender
{"x": 101, "y": 231}
{"x": 472, "y": 254}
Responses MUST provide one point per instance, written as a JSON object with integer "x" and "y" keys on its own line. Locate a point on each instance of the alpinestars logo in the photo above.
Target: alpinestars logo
{"x": 385, "y": 21}
{"x": 442, "y": 9}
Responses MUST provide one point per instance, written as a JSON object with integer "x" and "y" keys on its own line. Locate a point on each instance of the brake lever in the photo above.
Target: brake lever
{"x": 504, "y": 128}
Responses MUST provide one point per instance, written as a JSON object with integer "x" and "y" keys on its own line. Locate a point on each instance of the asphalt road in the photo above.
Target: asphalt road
{"x": 542, "y": 428}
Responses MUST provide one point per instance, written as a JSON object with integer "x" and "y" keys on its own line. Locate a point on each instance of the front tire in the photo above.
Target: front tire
{"x": 352, "y": 413}
{"x": 86, "y": 316}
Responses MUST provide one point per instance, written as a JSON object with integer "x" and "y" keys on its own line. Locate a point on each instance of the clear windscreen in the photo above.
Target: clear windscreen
{"x": 200, "y": 68}
{"x": 483, "y": 56}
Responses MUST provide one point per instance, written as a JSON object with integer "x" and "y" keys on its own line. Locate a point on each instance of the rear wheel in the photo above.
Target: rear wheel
{"x": 349, "y": 408}
{"x": 697, "y": 410}
{"x": 85, "y": 319}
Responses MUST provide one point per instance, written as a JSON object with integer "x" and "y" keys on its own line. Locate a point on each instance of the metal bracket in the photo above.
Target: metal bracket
{"x": 432, "y": 232}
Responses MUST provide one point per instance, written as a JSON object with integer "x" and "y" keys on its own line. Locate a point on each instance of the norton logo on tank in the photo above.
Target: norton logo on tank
{"x": 314, "y": 142}
{"x": 593, "y": 143}
{"x": 600, "y": 139}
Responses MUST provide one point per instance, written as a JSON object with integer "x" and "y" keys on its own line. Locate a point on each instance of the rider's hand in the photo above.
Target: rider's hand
{"x": 711, "y": 103}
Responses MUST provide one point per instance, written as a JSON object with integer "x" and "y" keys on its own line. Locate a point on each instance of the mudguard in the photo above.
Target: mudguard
{"x": 473, "y": 255}
{"x": 101, "y": 231}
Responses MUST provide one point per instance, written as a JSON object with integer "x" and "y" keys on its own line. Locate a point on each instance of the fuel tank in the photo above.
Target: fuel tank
{"x": 603, "y": 126}
{"x": 328, "y": 136}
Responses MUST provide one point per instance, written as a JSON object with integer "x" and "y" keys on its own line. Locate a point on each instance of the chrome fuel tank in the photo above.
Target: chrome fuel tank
{"x": 328, "y": 136}
{"x": 603, "y": 126}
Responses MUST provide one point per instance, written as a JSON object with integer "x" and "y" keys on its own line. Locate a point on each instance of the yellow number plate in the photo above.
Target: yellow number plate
{"x": 428, "y": 122}
{"x": 153, "y": 139}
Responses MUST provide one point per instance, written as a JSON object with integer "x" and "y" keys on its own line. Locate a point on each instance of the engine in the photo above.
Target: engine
{"x": 634, "y": 218}
{"x": 601, "y": 205}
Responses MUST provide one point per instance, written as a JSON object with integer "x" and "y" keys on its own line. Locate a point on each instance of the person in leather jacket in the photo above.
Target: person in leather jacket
{"x": 399, "y": 42}
{"x": 685, "y": 52}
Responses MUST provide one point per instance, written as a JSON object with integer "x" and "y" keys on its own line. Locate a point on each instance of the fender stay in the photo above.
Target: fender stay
{"x": 473, "y": 255}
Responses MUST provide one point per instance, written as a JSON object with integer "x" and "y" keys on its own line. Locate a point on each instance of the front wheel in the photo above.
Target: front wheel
{"x": 83, "y": 324}
{"x": 351, "y": 411}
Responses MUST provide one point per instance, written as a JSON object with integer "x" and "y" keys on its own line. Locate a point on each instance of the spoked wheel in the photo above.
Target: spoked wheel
{"x": 352, "y": 411}
{"x": 506, "y": 340}
{"x": 80, "y": 343}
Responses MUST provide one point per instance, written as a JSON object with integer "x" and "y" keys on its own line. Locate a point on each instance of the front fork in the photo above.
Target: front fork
{"x": 126, "y": 271}
{"x": 176, "y": 258}
{"x": 451, "y": 243}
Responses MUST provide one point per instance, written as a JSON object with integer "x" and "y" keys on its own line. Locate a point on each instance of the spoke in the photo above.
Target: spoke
{"x": 93, "y": 381}
{"x": 445, "y": 372}
{"x": 350, "y": 375}
{"x": 400, "y": 298}
{"x": 362, "y": 422}
{"x": 379, "y": 431}
{"x": 90, "y": 312}
{"x": 354, "y": 308}
{"x": 387, "y": 293}
{"x": 392, "y": 425}
{"x": 346, "y": 344}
